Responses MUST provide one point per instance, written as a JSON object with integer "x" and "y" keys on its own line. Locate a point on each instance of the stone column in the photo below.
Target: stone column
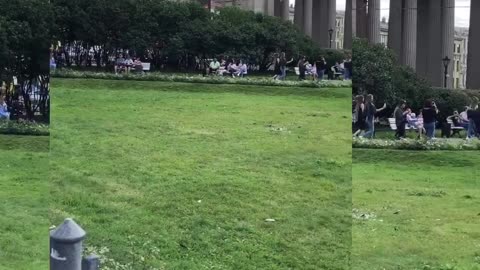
{"x": 448, "y": 36}
{"x": 298, "y": 16}
{"x": 270, "y": 7}
{"x": 361, "y": 18}
{"x": 332, "y": 22}
{"x": 434, "y": 51}
{"x": 422, "y": 37}
{"x": 349, "y": 27}
{"x": 317, "y": 22}
{"x": 395, "y": 27}
{"x": 285, "y": 10}
{"x": 325, "y": 39}
{"x": 373, "y": 25}
{"x": 260, "y": 6}
{"x": 307, "y": 17}
{"x": 473, "y": 62}
{"x": 409, "y": 34}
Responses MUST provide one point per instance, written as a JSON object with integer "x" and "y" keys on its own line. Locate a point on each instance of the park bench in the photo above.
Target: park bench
{"x": 146, "y": 66}
{"x": 336, "y": 74}
{"x": 393, "y": 125}
{"x": 455, "y": 129}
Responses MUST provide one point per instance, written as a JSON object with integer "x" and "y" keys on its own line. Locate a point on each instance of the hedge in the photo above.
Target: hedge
{"x": 23, "y": 128}
{"x": 66, "y": 73}
{"x": 411, "y": 144}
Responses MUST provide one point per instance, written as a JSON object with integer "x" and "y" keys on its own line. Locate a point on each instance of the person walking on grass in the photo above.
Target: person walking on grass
{"x": 359, "y": 118}
{"x": 370, "y": 111}
{"x": 400, "y": 115}
{"x": 430, "y": 112}
{"x": 283, "y": 66}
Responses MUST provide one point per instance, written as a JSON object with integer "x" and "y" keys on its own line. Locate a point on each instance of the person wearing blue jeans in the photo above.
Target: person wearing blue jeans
{"x": 370, "y": 111}
{"x": 321, "y": 67}
{"x": 430, "y": 112}
{"x": 283, "y": 66}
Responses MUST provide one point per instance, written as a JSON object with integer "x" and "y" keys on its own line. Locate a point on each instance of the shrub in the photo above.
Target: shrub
{"x": 197, "y": 79}
{"x": 411, "y": 144}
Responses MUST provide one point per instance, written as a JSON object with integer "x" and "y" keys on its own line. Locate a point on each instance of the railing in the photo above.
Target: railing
{"x": 66, "y": 248}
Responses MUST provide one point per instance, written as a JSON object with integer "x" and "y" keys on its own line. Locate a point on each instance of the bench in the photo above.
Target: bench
{"x": 146, "y": 66}
{"x": 455, "y": 129}
{"x": 336, "y": 74}
{"x": 393, "y": 125}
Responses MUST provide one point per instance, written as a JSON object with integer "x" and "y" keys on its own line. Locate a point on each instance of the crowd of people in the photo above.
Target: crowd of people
{"x": 127, "y": 64}
{"x": 230, "y": 67}
{"x": 425, "y": 122}
{"x": 317, "y": 69}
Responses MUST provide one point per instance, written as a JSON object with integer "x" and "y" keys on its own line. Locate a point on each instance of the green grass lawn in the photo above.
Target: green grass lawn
{"x": 416, "y": 210}
{"x": 186, "y": 175}
{"x": 24, "y": 202}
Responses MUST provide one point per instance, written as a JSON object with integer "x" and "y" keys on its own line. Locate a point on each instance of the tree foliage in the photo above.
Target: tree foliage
{"x": 377, "y": 72}
{"x": 25, "y": 39}
{"x": 173, "y": 33}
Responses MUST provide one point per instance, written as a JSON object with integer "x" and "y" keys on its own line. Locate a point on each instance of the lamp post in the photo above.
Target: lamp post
{"x": 446, "y": 62}
{"x": 330, "y": 33}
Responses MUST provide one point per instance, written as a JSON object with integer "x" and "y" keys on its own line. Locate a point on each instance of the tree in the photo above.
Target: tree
{"x": 25, "y": 40}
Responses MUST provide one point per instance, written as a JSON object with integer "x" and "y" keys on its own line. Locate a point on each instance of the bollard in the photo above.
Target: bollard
{"x": 66, "y": 246}
{"x": 91, "y": 262}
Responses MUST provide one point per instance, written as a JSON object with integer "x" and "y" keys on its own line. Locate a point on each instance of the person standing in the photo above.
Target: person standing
{"x": 430, "y": 112}
{"x": 283, "y": 66}
{"x": 370, "y": 111}
{"x": 348, "y": 69}
{"x": 359, "y": 121}
{"x": 471, "y": 123}
{"x": 321, "y": 67}
{"x": 302, "y": 68}
{"x": 400, "y": 115}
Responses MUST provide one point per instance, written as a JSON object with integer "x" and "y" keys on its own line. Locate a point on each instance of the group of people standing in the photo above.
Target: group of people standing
{"x": 364, "y": 116}
{"x": 316, "y": 70}
{"x": 425, "y": 122}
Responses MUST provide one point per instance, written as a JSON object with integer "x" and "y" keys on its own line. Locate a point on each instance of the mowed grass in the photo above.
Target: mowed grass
{"x": 195, "y": 170}
{"x": 421, "y": 210}
{"x": 24, "y": 202}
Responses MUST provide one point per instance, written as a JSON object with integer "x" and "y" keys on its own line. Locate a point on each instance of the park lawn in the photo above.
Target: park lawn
{"x": 191, "y": 172}
{"x": 24, "y": 202}
{"x": 421, "y": 210}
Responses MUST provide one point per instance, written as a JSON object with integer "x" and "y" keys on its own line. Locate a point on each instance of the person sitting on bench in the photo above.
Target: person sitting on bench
{"x": 137, "y": 65}
{"x": 119, "y": 64}
{"x": 4, "y": 114}
{"x": 214, "y": 66}
{"x": 242, "y": 70}
{"x": 128, "y": 64}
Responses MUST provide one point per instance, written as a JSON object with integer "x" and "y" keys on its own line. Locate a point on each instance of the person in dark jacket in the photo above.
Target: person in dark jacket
{"x": 302, "y": 68}
{"x": 430, "y": 112}
{"x": 400, "y": 115}
{"x": 370, "y": 111}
